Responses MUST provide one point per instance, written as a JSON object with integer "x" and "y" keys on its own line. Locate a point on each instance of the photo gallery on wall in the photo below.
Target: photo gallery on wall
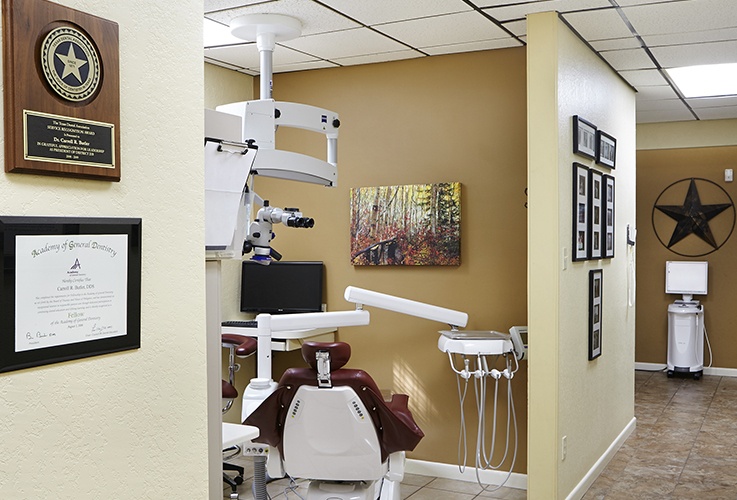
{"x": 593, "y": 193}
{"x": 593, "y": 214}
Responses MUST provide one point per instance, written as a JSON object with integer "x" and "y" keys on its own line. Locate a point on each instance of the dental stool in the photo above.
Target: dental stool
{"x": 239, "y": 346}
{"x": 331, "y": 425}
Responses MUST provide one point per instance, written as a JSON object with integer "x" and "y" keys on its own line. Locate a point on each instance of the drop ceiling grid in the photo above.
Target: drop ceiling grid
{"x": 664, "y": 33}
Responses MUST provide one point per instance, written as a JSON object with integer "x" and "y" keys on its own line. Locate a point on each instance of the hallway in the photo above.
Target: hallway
{"x": 683, "y": 446}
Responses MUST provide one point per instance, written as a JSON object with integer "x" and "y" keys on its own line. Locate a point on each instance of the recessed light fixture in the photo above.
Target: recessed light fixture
{"x": 215, "y": 34}
{"x": 711, "y": 80}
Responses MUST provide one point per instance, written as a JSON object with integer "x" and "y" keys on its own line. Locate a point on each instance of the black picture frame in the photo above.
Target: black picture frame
{"x": 596, "y": 214}
{"x": 596, "y": 309}
{"x": 606, "y": 149}
{"x": 584, "y": 137}
{"x": 88, "y": 232}
{"x": 580, "y": 214}
{"x": 609, "y": 213}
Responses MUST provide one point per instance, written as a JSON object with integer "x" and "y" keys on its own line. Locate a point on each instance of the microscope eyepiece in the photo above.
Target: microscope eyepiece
{"x": 305, "y": 222}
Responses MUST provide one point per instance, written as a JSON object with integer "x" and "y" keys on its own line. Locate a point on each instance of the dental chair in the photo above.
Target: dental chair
{"x": 239, "y": 346}
{"x": 331, "y": 425}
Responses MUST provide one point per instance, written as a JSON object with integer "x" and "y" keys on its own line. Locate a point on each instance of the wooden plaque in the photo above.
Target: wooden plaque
{"x": 62, "y": 94}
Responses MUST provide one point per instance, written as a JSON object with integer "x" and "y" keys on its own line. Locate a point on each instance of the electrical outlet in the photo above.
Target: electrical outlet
{"x": 563, "y": 447}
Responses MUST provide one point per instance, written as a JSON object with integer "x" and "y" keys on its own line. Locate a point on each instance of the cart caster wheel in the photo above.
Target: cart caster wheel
{"x": 697, "y": 376}
{"x": 670, "y": 373}
{"x": 238, "y": 480}
{"x": 234, "y": 496}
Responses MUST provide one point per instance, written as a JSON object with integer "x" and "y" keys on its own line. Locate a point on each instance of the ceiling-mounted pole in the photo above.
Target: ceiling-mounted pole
{"x": 265, "y": 30}
{"x": 265, "y": 43}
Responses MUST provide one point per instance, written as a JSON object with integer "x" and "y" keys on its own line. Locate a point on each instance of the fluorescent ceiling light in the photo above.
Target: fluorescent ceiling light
{"x": 710, "y": 80}
{"x": 215, "y": 34}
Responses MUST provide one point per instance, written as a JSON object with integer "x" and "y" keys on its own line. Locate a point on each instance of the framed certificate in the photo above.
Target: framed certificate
{"x": 70, "y": 288}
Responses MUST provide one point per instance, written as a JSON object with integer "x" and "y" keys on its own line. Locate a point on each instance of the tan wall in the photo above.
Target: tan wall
{"x": 131, "y": 424}
{"x": 588, "y": 402}
{"x": 447, "y": 118}
{"x": 656, "y": 170}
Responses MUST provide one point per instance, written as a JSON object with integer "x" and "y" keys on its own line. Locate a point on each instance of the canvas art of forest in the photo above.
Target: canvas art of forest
{"x": 414, "y": 225}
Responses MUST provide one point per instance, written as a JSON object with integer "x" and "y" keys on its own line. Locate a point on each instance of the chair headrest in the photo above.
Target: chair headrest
{"x": 340, "y": 353}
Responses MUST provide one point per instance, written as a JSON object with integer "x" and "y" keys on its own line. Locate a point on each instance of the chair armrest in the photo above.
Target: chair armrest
{"x": 244, "y": 345}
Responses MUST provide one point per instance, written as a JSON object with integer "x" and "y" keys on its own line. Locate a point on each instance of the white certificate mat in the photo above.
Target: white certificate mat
{"x": 69, "y": 289}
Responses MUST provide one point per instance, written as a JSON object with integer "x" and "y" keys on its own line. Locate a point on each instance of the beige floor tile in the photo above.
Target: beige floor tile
{"x": 430, "y": 494}
{"x": 454, "y": 486}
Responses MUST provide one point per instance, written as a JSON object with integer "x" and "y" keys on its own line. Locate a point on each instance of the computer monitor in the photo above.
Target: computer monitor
{"x": 686, "y": 277}
{"x": 281, "y": 287}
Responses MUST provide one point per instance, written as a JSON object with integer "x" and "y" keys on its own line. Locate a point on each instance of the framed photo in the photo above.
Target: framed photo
{"x": 70, "y": 288}
{"x": 584, "y": 137}
{"x": 596, "y": 288}
{"x": 606, "y": 149}
{"x": 580, "y": 215}
{"x": 596, "y": 214}
{"x": 608, "y": 212}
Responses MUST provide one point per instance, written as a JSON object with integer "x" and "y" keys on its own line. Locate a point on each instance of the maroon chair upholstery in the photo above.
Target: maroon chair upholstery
{"x": 395, "y": 427}
{"x": 244, "y": 346}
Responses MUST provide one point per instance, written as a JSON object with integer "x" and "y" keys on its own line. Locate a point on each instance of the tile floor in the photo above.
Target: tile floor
{"x": 684, "y": 447}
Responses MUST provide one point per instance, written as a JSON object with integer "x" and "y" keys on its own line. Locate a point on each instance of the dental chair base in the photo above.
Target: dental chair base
{"x": 336, "y": 430}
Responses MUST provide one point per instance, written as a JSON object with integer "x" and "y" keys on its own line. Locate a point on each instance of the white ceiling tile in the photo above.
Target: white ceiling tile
{"x": 655, "y": 92}
{"x": 712, "y": 102}
{"x": 499, "y": 43}
{"x": 313, "y": 17}
{"x": 627, "y": 3}
{"x": 444, "y": 30}
{"x": 641, "y": 77}
{"x": 720, "y": 113}
{"x": 519, "y": 10}
{"x": 376, "y": 58}
{"x": 683, "y": 38}
{"x": 674, "y": 56}
{"x": 628, "y": 59}
{"x": 246, "y": 56}
{"x": 662, "y": 105}
{"x": 616, "y": 44}
{"x": 677, "y": 17}
{"x": 665, "y": 115}
{"x": 387, "y": 11}
{"x": 598, "y": 24}
{"x": 221, "y": 64}
{"x": 347, "y": 43}
{"x": 286, "y": 68}
{"x": 215, "y": 5}
{"x": 519, "y": 28}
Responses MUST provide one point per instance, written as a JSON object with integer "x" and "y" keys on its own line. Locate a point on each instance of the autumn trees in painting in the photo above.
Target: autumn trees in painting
{"x": 415, "y": 225}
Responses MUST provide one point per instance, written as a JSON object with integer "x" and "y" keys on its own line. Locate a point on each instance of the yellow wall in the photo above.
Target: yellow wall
{"x": 668, "y": 152}
{"x": 404, "y": 123}
{"x": 657, "y": 169}
{"x": 131, "y": 424}
{"x": 588, "y": 402}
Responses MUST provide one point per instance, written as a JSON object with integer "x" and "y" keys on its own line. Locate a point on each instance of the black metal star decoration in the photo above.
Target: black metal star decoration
{"x": 693, "y": 217}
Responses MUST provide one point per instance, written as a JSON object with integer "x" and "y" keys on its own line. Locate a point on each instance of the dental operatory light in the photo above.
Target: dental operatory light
{"x": 710, "y": 80}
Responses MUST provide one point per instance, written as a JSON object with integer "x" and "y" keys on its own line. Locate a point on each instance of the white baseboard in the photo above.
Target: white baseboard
{"x": 650, "y": 367}
{"x": 448, "y": 471}
{"x": 598, "y": 467}
{"x": 719, "y": 372}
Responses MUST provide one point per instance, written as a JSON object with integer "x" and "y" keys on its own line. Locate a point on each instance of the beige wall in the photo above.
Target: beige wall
{"x": 587, "y": 402}
{"x": 404, "y": 123}
{"x": 657, "y": 169}
{"x": 131, "y": 424}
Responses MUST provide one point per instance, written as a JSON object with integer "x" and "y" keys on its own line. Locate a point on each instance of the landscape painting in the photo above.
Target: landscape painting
{"x": 412, "y": 225}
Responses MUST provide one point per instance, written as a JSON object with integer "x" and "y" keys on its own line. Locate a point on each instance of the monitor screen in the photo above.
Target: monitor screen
{"x": 686, "y": 277}
{"x": 281, "y": 287}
